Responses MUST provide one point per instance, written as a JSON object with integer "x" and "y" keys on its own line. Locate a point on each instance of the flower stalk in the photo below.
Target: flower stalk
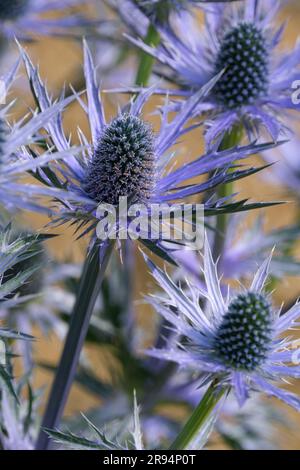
{"x": 89, "y": 288}
{"x": 146, "y": 61}
{"x": 230, "y": 140}
{"x": 200, "y": 416}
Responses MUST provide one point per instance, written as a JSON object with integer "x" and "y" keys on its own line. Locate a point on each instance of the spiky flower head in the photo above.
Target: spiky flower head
{"x": 238, "y": 340}
{"x": 12, "y": 9}
{"x": 240, "y": 39}
{"x": 244, "y": 55}
{"x": 124, "y": 162}
{"x": 244, "y": 335}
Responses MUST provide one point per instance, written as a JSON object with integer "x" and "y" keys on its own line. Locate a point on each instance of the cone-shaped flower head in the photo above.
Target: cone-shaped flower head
{"x": 244, "y": 335}
{"x": 239, "y": 339}
{"x": 240, "y": 39}
{"x": 244, "y": 56}
{"x": 124, "y": 162}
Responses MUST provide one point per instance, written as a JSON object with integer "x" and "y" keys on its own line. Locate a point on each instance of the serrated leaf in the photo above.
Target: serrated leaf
{"x": 72, "y": 440}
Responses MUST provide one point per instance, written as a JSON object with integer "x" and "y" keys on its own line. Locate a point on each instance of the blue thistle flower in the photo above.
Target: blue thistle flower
{"x": 126, "y": 158}
{"x": 243, "y": 338}
{"x": 244, "y": 56}
{"x": 239, "y": 340}
{"x": 256, "y": 86}
{"x": 123, "y": 163}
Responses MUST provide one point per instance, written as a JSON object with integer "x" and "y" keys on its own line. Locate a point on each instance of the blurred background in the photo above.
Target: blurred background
{"x": 60, "y": 64}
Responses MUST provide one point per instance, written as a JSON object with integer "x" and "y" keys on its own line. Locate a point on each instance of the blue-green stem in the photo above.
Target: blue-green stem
{"x": 199, "y": 418}
{"x": 89, "y": 288}
{"x": 230, "y": 140}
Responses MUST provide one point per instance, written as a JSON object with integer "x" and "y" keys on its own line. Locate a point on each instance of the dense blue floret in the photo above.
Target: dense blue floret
{"x": 243, "y": 338}
{"x": 245, "y": 58}
{"x": 124, "y": 162}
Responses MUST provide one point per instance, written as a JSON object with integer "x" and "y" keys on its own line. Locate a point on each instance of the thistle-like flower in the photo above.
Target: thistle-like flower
{"x": 23, "y": 18}
{"x": 238, "y": 340}
{"x": 256, "y": 85}
{"x": 126, "y": 158}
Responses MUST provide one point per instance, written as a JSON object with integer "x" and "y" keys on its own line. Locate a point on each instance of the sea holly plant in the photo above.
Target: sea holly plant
{"x": 236, "y": 343}
{"x": 111, "y": 327}
{"x": 256, "y": 85}
{"x": 218, "y": 344}
{"x": 255, "y": 88}
{"x": 125, "y": 159}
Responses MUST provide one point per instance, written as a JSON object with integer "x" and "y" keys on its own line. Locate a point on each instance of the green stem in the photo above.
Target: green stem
{"x": 199, "y": 417}
{"x": 146, "y": 61}
{"x": 90, "y": 284}
{"x": 231, "y": 139}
